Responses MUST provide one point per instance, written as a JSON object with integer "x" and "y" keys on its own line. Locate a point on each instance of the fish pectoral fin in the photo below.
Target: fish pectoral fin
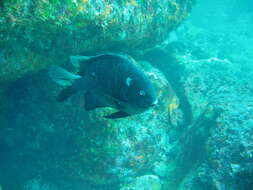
{"x": 116, "y": 115}
{"x": 92, "y": 102}
{"x": 66, "y": 93}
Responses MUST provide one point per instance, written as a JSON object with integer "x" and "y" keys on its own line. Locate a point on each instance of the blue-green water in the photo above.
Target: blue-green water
{"x": 198, "y": 137}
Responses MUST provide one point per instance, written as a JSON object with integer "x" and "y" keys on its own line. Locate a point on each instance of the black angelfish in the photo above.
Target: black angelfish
{"x": 108, "y": 80}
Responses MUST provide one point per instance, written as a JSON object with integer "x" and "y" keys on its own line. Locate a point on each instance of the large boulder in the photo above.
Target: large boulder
{"x": 35, "y": 34}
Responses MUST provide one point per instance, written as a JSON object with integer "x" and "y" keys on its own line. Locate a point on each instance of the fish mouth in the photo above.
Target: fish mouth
{"x": 148, "y": 105}
{"x": 154, "y": 103}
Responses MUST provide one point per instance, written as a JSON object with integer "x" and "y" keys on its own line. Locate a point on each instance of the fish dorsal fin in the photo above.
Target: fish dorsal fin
{"x": 92, "y": 102}
{"x": 116, "y": 115}
{"x": 75, "y": 60}
{"x": 84, "y": 62}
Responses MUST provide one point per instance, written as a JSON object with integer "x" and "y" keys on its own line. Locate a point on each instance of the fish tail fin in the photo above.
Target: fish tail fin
{"x": 64, "y": 78}
{"x": 61, "y": 76}
{"x": 66, "y": 93}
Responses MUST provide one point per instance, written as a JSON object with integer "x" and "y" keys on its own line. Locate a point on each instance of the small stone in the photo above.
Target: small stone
{"x": 146, "y": 182}
{"x": 160, "y": 169}
{"x": 235, "y": 168}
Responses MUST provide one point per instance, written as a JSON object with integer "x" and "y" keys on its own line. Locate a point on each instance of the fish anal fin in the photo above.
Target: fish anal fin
{"x": 92, "y": 102}
{"x": 116, "y": 115}
{"x": 66, "y": 93}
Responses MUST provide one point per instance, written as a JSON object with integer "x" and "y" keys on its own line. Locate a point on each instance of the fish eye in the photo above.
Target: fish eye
{"x": 142, "y": 92}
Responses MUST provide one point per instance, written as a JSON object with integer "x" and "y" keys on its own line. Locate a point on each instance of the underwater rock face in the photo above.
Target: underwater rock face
{"x": 54, "y": 143}
{"x": 227, "y": 156}
{"x": 35, "y": 34}
{"x": 217, "y": 78}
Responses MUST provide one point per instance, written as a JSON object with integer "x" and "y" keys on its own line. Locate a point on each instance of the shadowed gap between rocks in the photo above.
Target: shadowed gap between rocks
{"x": 173, "y": 71}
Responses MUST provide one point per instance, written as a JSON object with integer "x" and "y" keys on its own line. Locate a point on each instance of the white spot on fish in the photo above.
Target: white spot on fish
{"x": 2, "y": 60}
{"x": 142, "y": 92}
{"x": 155, "y": 102}
{"x": 128, "y": 81}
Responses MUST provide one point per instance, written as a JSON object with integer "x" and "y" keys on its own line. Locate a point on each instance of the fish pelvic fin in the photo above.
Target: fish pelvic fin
{"x": 117, "y": 115}
{"x": 61, "y": 76}
{"x": 92, "y": 102}
{"x": 66, "y": 93}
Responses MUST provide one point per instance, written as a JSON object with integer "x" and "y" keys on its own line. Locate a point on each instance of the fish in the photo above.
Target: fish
{"x": 107, "y": 80}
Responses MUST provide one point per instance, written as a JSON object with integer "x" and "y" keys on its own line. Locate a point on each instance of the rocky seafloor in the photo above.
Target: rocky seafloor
{"x": 198, "y": 137}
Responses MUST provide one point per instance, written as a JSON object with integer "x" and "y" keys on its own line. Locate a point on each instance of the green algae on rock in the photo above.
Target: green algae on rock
{"x": 36, "y": 33}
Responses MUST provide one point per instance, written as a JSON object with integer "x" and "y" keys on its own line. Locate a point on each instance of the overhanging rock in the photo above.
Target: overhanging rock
{"x": 35, "y": 34}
